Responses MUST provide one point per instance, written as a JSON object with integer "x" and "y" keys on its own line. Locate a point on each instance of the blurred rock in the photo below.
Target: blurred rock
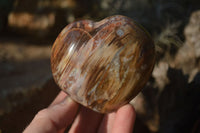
{"x": 35, "y": 100}
{"x": 160, "y": 74}
{"x": 47, "y": 18}
{"x": 5, "y": 8}
{"x": 179, "y": 103}
{"x": 23, "y": 70}
{"x": 169, "y": 108}
{"x": 144, "y": 122}
{"x": 21, "y": 51}
{"x": 188, "y": 55}
{"x": 140, "y": 127}
{"x": 32, "y": 23}
{"x": 139, "y": 104}
{"x": 192, "y": 33}
{"x": 40, "y": 18}
{"x": 145, "y": 105}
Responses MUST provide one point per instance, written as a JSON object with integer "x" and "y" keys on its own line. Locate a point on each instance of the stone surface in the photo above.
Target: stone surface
{"x": 103, "y": 65}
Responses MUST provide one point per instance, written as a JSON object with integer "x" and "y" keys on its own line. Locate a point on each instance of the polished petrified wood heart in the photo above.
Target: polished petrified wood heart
{"x": 103, "y": 65}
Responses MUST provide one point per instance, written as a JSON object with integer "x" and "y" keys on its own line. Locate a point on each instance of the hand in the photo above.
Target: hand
{"x": 64, "y": 114}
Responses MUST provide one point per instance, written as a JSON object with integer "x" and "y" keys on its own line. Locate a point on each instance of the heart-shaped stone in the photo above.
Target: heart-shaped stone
{"x": 103, "y": 65}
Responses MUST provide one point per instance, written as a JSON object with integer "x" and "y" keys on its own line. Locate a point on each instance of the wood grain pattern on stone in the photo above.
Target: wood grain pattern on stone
{"x": 103, "y": 65}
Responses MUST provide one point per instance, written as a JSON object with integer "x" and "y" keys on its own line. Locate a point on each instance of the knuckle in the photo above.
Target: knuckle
{"x": 42, "y": 114}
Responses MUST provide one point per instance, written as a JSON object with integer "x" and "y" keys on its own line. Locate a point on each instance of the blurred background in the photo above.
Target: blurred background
{"x": 169, "y": 103}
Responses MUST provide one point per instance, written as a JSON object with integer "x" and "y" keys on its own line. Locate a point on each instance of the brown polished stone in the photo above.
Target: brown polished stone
{"x": 103, "y": 65}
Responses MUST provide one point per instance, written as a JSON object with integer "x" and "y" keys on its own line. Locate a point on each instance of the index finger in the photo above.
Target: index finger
{"x": 54, "y": 118}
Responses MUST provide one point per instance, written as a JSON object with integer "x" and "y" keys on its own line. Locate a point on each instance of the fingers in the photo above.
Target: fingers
{"x": 54, "y": 118}
{"x": 87, "y": 121}
{"x": 124, "y": 120}
{"x": 62, "y": 112}
{"x": 107, "y": 123}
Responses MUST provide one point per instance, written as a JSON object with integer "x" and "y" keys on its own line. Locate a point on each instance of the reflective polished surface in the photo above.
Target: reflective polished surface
{"x": 103, "y": 65}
